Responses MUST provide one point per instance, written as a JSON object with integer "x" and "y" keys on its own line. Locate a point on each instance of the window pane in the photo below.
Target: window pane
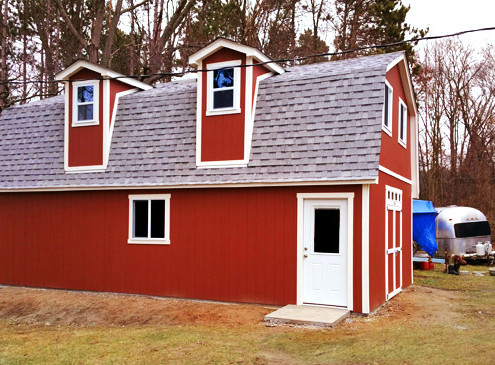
{"x": 402, "y": 121}
{"x": 158, "y": 219}
{"x": 223, "y": 99}
{"x": 472, "y": 229}
{"x": 385, "y": 117}
{"x": 140, "y": 219}
{"x": 85, "y": 94}
{"x": 85, "y": 112}
{"x": 327, "y": 230}
{"x": 223, "y": 78}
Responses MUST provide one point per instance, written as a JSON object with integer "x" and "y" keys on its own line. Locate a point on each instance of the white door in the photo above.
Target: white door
{"x": 325, "y": 252}
{"x": 393, "y": 241}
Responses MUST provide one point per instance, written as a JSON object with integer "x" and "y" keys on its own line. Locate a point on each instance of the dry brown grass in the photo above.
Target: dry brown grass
{"x": 442, "y": 319}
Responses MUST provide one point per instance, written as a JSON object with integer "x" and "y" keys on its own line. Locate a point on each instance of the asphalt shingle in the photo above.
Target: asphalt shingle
{"x": 318, "y": 122}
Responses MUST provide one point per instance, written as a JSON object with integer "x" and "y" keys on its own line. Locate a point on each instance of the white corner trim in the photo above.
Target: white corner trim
{"x": 106, "y": 118}
{"x": 394, "y": 174}
{"x": 249, "y": 125}
{"x": 199, "y": 109}
{"x": 108, "y": 144}
{"x": 350, "y": 240}
{"x": 150, "y": 241}
{"x": 414, "y": 156}
{"x": 365, "y": 282}
{"x": 248, "y": 108}
{"x": 66, "y": 124}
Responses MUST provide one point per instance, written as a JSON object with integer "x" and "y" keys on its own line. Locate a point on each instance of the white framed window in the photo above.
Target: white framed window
{"x": 387, "y": 109}
{"x": 223, "y": 88}
{"x": 149, "y": 219}
{"x": 402, "y": 123}
{"x": 393, "y": 198}
{"x": 85, "y": 105}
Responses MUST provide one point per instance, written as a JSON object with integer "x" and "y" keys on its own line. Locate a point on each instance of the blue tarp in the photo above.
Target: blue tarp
{"x": 424, "y": 215}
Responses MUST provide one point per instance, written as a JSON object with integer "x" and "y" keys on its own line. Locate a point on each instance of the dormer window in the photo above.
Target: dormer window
{"x": 85, "y": 103}
{"x": 223, "y": 88}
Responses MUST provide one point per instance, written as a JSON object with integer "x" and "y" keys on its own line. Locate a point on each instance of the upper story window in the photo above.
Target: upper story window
{"x": 149, "y": 219}
{"x": 387, "y": 109}
{"x": 402, "y": 123}
{"x": 223, "y": 88}
{"x": 85, "y": 103}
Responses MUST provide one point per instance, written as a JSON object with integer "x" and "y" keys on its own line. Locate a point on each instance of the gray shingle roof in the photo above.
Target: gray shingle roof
{"x": 317, "y": 122}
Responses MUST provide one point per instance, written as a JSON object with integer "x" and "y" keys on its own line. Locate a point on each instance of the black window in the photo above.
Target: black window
{"x": 403, "y": 120}
{"x": 148, "y": 219}
{"x": 223, "y": 88}
{"x": 327, "y": 230}
{"x": 85, "y": 104}
{"x": 472, "y": 229}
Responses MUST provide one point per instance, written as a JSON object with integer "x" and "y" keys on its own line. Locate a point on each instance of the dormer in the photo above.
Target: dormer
{"x": 228, "y": 77}
{"x": 91, "y": 99}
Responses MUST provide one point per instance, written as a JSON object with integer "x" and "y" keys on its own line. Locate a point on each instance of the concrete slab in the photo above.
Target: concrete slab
{"x": 308, "y": 315}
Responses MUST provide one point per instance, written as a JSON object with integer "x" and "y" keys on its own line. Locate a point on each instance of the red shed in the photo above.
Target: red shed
{"x": 248, "y": 183}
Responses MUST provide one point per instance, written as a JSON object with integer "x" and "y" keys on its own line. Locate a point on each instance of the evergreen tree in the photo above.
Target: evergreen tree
{"x": 363, "y": 23}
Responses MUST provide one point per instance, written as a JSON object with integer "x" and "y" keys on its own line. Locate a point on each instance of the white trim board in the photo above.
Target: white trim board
{"x": 394, "y": 174}
{"x": 350, "y": 239}
{"x": 104, "y": 72}
{"x": 365, "y": 252}
{"x": 195, "y": 186}
{"x": 196, "y": 58}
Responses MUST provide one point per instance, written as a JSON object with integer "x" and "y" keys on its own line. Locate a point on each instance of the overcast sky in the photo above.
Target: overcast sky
{"x": 450, "y": 16}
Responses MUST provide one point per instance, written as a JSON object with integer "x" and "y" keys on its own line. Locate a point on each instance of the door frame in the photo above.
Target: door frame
{"x": 301, "y": 197}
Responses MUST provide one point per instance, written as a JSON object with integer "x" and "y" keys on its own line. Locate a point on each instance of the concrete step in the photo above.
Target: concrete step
{"x": 308, "y": 315}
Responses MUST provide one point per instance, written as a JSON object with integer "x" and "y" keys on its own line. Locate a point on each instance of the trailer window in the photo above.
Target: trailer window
{"x": 472, "y": 229}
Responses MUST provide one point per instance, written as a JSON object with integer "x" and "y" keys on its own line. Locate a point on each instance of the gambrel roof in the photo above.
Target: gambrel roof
{"x": 313, "y": 123}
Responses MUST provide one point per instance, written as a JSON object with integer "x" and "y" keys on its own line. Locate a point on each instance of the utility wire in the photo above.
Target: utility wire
{"x": 283, "y": 60}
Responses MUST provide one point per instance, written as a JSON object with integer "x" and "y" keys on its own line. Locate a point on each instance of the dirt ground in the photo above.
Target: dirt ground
{"x": 33, "y": 306}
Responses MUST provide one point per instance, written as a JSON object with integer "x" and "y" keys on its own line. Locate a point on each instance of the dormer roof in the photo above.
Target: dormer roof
{"x": 103, "y": 71}
{"x": 247, "y": 50}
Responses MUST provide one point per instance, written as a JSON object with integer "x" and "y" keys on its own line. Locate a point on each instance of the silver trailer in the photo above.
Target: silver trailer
{"x": 463, "y": 231}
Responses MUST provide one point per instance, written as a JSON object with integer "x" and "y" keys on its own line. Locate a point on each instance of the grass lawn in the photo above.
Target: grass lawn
{"x": 441, "y": 319}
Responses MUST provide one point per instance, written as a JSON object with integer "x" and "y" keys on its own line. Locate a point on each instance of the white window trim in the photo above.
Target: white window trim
{"x": 385, "y": 128}
{"x": 237, "y": 88}
{"x": 150, "y": 241}
{"x": 96, "y": 106}
{"x": 402, "y": 142}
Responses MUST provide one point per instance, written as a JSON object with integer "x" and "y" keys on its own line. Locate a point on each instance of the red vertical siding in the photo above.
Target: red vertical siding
{"x": 86, "y": 143}
{"x": 116, "y": 87}
{"x": 257, "y": 72}
{"x": 226, "y": 244}
{"x": 393, "y": 155}
{"x": 222, "y": 136}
